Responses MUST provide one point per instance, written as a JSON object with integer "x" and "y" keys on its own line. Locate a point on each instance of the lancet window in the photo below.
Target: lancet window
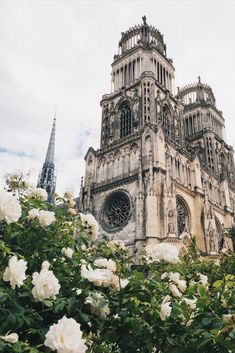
{"x": 125, "y": 120}
{"x": 210, "y": 157}
{"x": 147, "y": 103}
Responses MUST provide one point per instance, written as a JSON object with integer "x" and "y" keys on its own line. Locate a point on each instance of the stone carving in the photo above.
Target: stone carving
{"x": 212, "y": 242}
{"x": 171, "y": 223}
{"x": 136, "y": 109}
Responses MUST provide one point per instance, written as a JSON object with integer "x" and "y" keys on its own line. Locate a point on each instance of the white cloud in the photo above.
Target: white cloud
{"x": 59, "y": 53}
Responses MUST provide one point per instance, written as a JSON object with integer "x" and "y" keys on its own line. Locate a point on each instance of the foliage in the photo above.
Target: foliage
{"x": 112, "y": 319}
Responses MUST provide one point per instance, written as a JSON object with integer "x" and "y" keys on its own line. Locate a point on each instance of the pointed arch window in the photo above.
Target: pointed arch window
{"x": 125, "y": 120}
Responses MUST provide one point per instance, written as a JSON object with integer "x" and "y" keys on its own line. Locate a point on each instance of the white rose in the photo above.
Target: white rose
{"x": 113, "y": 244}
{"x": 105, "y": 263}
{"x": 164, "y": 275}
{"x": 46, "y": 218}
{"x": 123, "y": 282}
{"x": 46, "y": 264}
{"x": 175, "y": 291}
{"x": 90, "y": 222}
{"x": 15, "y": 272}
{"x": 228, "y": 318}
{"x": 78, "y": 291}
{"x": 65, "y": 337}
{"x": 166, "y": 299}
{"x": 38, "y": 194}
{"x": 203, "y": 279}
{"x": 99, "y": 305}
{"x": 98, "y": 276}
{"x": 10, "y": 209}
{"x": 174, "y": 276}
{"x": 165, "y": 311}
{"x": 182, "y": 285}
{"x": 46, "y": 285}
{"x": 71, "y": 203}
{"x": 68, "y": 252}
{"x": 15, "y": 176}
{"x": 72, "y": 211}
{"x": 68, "y": 195}
{"x": 191, "y": 303}
{"x": 34, "y": 213}
{"x": 163, "y": 251}
{"x": 11, "y": 338}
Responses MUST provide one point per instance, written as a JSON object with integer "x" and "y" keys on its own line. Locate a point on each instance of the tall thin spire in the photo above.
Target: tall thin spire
{"x": 47, "y": 177}
{"x": 50, "y": 156}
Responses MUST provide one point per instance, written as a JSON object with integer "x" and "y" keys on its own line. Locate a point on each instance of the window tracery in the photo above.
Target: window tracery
{"x": 125, "y": 120}
{"x": 116, "y": 210}
{"x": 182, "y": 216}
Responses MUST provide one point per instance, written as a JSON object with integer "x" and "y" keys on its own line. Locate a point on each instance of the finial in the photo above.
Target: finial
{"x": 199, "y": 79}
{"x": 144, "y": 19}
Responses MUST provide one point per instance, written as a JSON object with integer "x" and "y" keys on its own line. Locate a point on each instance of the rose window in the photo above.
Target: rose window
{"x": 182, "y": 216}
{"x": 116, "y": 210}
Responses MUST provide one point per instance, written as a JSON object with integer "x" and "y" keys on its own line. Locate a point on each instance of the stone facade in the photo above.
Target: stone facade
{"x": 163, "y": 168}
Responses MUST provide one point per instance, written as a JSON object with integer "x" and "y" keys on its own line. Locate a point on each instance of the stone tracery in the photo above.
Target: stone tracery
{"x": 116, "y": 210}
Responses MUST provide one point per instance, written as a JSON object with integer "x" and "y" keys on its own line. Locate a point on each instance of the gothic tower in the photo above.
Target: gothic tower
{"x": 47, "y": 177}
{"x": 163, "y": 169}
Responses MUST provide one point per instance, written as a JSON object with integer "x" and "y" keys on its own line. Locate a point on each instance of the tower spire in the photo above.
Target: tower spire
{"x": 47, "y": 177}
{"x": 50, "y": 156}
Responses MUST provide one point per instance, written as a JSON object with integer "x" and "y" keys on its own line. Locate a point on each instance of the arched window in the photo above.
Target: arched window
{"x": 126, "y": 120}
{"x": 182, "y": 216}
{"x": 166, "y": 121}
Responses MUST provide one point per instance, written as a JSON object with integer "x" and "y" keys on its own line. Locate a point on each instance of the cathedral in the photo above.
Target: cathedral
{"x": 163, "y": 169}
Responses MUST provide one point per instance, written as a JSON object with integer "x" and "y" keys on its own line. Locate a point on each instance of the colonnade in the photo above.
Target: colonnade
{"x": 199, "y": 121}
{"x": 161, "y": 73}
{"x": 127, "y": 73}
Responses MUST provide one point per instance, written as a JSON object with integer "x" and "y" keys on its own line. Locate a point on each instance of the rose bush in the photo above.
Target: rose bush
{"x": 63, "y": 290}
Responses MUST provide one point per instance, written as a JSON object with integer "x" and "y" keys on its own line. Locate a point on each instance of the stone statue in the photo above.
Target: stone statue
{"x": 212, "y": 242}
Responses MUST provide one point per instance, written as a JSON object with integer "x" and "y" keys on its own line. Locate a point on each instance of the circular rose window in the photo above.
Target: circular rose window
{"x": 116, "y": 210}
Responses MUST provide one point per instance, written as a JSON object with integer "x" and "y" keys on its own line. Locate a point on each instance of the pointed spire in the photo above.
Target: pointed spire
{"x": 47, "y": 177}
{"x": 50, "y": 156}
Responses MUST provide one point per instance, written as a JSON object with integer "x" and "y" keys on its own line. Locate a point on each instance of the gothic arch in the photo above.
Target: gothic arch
{"x": 147, "y": 144}
{"x": 183, "y": 215}
{"x": 125, "y": 118}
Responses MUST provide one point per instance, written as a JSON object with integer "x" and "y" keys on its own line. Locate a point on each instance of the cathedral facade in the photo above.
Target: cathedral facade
{"x": 163, "y": 168}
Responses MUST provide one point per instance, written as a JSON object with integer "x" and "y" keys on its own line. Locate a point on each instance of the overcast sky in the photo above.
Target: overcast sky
{"x": 58, "y": 53}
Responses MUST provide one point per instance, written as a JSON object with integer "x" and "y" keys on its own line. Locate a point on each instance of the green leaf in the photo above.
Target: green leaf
{"x": 48, "y": 303}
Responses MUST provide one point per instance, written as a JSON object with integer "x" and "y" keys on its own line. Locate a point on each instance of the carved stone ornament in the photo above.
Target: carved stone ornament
{"x": 116, "y": 211}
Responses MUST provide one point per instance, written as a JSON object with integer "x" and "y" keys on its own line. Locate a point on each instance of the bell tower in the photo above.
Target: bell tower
{"x": 163, "y": 169}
